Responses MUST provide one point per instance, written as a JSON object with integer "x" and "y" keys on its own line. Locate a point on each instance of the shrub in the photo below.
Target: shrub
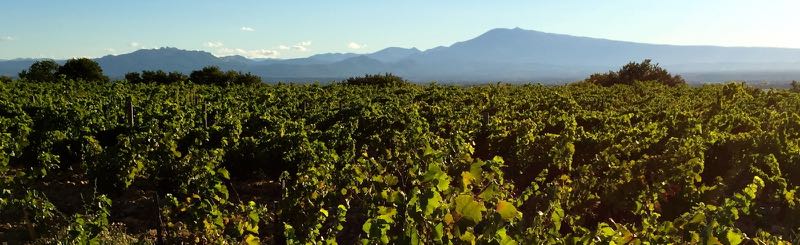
{"x": 159, "y": 76}
{"x": 214, "y": 75}
{"x": 82, "y": 69}
{"x": 386, "y": 79}
{"x": 633, "y": 72}
{"x": 41, "y": 71}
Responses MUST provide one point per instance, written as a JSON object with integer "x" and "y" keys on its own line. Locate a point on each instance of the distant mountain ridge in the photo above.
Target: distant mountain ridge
{"x": 497, "y": 55}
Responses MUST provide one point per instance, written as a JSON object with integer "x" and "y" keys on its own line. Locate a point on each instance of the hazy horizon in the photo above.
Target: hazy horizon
{"x": 255, "y": 29}
{"x": 362, "y": 52}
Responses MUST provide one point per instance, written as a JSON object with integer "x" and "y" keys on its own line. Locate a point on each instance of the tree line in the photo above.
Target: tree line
{"x": 74, "y": 69}
{"x": 84, "y": 69}
{"x": 89, "y": 70}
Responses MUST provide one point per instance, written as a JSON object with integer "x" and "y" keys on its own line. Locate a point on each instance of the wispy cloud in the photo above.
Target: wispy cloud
{"x": 255, "y": 53}
{"x": 262, "y": 53}
{"x": 354, "y": 45}
{"x": 110, "y": 50}
{"x": 221, "y": 50}
{"x": 7, "y": 39}
{"x": 214, "y": 44}
{"x": 134, "y": 44}
{"x": 245, "y": 28}
{"x": 302, "y": 46}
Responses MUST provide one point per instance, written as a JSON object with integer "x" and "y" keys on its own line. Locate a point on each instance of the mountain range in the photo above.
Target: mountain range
{"x": 497, "y": 55}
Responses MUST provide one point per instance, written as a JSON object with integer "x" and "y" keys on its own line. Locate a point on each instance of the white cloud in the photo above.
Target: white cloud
{"x": 255, "y": 53}
{"x": 135, "y": 44}
{"x": 354, "y": 45}
{"x": 263, "y": 53}
{"x": 214, "y": 44}
{"x": 301, "y": 46}
{"x": 284, "y": 47}
{"x": 7, "y": 39}
{"x": 245, "y": 28}
{"x": 110, "y": 50}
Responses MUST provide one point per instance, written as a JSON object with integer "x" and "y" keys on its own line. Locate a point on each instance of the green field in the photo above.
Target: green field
{"x": 399, "y": 164}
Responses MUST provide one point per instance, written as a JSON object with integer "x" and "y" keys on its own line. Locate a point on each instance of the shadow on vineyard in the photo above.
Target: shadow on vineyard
{"x": 376, "y": 159}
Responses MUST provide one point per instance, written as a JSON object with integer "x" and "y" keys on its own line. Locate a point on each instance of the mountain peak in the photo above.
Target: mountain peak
{"x": 159, "y": 53}
{"x": 165, "y": 58}
{"x": 392, "y": 49}
{"x": 235, "y": 58}
{"x": 332, "y": 57}
{"x": 394, "y": 54}
{"x": 505, "y": 32}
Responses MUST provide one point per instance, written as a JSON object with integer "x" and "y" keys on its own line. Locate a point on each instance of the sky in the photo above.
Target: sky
{"x": 290, "y": 29}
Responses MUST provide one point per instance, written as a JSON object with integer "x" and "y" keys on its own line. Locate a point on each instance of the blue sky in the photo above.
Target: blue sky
{"x": 288, "y": 29}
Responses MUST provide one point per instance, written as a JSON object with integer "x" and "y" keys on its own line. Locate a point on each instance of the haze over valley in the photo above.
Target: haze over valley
{"x": 510, "y": 55}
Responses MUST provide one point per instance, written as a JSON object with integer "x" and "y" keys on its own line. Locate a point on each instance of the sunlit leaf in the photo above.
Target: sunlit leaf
{"x": 733, "y": 237}
{"x": 469, "y": 209}
{"x": 507, "y": 210}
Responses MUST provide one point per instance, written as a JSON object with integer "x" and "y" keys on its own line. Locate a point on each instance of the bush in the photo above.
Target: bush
{"x": 159, "y": 76}
{"x": 633, "y": 72}
{"x": 386, "y": 79}
{"x": 213, "y": 75}
{"x": 82, "y": 69}
{"x": 795, "y": 86}
{"x": 243, "y": 78}
{"x": 41, "y": 71}
{"x": 5, "y": 79}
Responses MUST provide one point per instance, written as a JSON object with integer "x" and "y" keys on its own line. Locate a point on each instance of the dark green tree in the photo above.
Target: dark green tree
{"x": 386, "y": 79}
{"x": 214, "y": 75}
{"x": 209, "y": 75}
{"x": 244, "y": 78}
{"x": 133, "y": 77}
{"x": 632, "y": 72}
{"x": 795, "y": 86}
{"x": 5, "y": 79}
{"x": 82, "y": 69}
{"x": 41, "y": 71}
{"x": 159, "y": 76}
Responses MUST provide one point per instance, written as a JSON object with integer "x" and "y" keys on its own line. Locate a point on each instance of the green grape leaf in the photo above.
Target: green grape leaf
{"x": 387, "y": 214}
{"x": 469, "y": 209}
{"x": 438, "y": 231}
{"x": 556, "y": 216}
{"x": 432, "y": 203}
{"x": 436, "y": 174}
{"x": 489, "y": 192}
{"x": 733, "y": 237}
{"x": 503, "y": 238}
{"x": 251, "y": 240}
{"x": 466, "y": 179}
{"x": 224, "y": 173}
{"x": 507, "y": 210}
{"x": 476, "y": 170}
{"x": 468, "y": 237}
{"x": 607, "y": 230}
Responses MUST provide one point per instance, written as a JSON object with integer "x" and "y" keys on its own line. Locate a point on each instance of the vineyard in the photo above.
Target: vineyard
{"x": 644, "y": 163}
